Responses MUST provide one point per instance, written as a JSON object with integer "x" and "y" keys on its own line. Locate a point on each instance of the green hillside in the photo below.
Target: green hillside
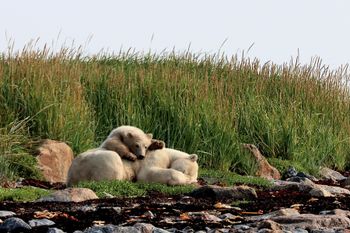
{"x": 201, "y": 104}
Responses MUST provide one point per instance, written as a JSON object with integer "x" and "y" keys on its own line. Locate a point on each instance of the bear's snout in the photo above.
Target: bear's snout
{"x": 140, "y": 157}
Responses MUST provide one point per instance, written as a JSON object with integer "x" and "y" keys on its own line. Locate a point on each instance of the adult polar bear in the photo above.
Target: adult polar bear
{"x": 167, "y": 166}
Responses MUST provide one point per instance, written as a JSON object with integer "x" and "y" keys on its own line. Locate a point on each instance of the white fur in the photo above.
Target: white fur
{"x": 99, "y": 164}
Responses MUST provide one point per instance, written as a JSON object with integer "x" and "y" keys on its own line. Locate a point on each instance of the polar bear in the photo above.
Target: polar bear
{"x": 160, "y": 166}
{"x": 183, "y": 169}
{"x": 129, "y": 142}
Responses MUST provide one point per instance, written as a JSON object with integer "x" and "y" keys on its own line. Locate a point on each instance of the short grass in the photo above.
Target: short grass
{"x": 130, "y": 189}
{"x": 229, "y": 178}
{"x": 207, "y": 105}
{"x": 22, "y": 194}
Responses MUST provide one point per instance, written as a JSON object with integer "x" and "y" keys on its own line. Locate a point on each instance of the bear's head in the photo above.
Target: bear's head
{"x": 138, "y": 143}
{"x": 188, "y": 166}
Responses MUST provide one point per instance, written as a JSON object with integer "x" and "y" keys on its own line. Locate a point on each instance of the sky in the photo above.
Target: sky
{"x": 274, "y": 30}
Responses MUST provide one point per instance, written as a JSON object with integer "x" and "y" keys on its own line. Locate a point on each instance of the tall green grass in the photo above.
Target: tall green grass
{"x": 207, "y": 105}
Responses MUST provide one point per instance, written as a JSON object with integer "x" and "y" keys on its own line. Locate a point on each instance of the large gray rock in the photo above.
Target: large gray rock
{"x": 312, "y": 221}
{"x": 14, "y": 224}
{"x": 71, "y": 194}
{"x": 327, "y": 173}
{"x": 54, "y": 159}
{"x": 40, "y": 222}
{"x": 307, "y": 186}
{"x": 225, "y": 193}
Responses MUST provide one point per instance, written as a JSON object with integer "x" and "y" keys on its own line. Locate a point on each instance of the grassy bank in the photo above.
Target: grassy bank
{"x": 207, "y": 105}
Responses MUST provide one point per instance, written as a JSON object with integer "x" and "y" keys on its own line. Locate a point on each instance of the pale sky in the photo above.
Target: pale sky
{"x": 277, "y": 28}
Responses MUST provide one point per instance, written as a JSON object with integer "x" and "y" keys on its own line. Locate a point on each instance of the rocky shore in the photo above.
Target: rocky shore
{"x": 297, "y": 204}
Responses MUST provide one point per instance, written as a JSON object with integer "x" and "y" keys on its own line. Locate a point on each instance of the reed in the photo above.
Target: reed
{"x": 204, "y": 104}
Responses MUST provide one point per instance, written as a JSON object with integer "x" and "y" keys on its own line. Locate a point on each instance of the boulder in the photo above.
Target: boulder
{"x": 14, "y": 225}
{"x": 311, "y": 221}
{"x": 265, "y": 170}
{"x": 54, "y": 159}
{"x": 71, "y": 194}
{"x": 218, "y": 193}
{"x": 330, "y": 174}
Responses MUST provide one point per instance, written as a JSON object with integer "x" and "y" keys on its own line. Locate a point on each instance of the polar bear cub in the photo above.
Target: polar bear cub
{"x": 169, "y": 166}
{"x": 128, "y": 141}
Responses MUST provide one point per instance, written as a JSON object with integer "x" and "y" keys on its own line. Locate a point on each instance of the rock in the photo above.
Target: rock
{"x": 304, "y": 186}
{"x": 40, "y": 222}
{"x": 203, "y": 215}
{"x": 334, "y": 190}
{"x": 293, "y": 175}
{"x": 159, "y": 230}
{"x": 14, "y": 224}
{"x": 54, "y": 230}
{"x": 346, "y": 182}
{"x": 6, "y": 214}
{"x": 71, "y": 194}
{"x": 218, "y": 193}
{"x": 54, "y": 159}
{"x": 307, "y": 186}
{"x": 268, "y": 224}
{"x": 265, "y": 170}
{"x": 330, "y": 174}
{"x": 320, "y": 192}
{"x": 144, "y": 227}
{"x": 277, "y": 213}
{"x": 311, "y": 221}
{"x": 187, "y": 230}
{"x": 112, "y": 229}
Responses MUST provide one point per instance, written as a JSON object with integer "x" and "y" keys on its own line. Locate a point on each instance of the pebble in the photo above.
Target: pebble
{"x": 55, "y": 230}
{"x": 159, "y": 230}
{"x": 41, "y": 222}
{"x": 14, "y": 224}
{"x": 6, "y": 214}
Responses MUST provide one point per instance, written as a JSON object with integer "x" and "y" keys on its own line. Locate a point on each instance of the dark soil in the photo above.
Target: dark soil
{"x": 165, "y": 211}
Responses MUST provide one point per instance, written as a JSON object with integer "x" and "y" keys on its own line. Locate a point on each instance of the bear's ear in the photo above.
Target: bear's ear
{"x": 130, "y": 135}
{"x": 149, "y": 135}
{"x": 156, "y": 144}
{"x": 193, "y": 157}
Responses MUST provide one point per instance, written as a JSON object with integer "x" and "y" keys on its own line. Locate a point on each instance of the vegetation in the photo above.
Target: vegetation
{"x": 130, "y": 189}
{"x": 201, "y": 104}
{"x": 229, "y": 178}
{"x": 22, "y": 194}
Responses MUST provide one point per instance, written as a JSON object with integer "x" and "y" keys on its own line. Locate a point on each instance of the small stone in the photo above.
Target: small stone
{"x": 159, "y": 230}
{"x": 6, "y": 214}
{"x": 149, "y": 214}
{"x": 118, "y": 210}
{"x": 87, "y": 208}
{"x": 188, "y": 229}
{"x": 55, "y": 230}
{"x": 41, "y": 222}
{"x": 268, "y": 224}
{"x": 14, "y": 224}
{"x": 144, "y": 227}
{"x": 108, "y": 195}
{"x": 300, "y": 230}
